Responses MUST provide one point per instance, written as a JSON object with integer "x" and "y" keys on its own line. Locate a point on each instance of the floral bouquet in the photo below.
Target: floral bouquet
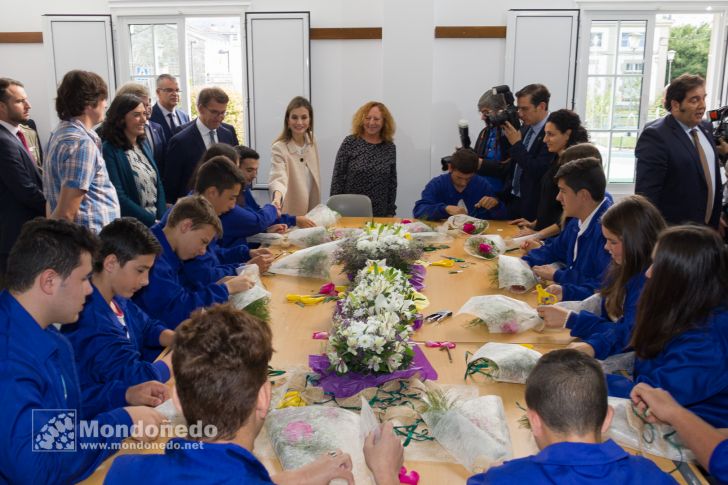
{"x": 467, "y": 224}
{"x": 502, "y": 314}
{"x": 313, "y": 262}
{"x": 323, "y": 216}
{"x": 414, "y": 227}
{"x": 300, "y": 435}
{"x": 379, "y": 290}
{"x": 514, "y": 274}
{"x": 592, "y": 304}
{"x": 379, "y": 241}
{"x": 268, "y": 239}
{"x": 503, "y": 362}
{"x": 336, "y": 233}
{"x": 474, "y": 431}
{"x": 255, "y": 300}
{"x": 485, "y": 247}
{"x": 629, "y": 429}
{"x": 307, "y": 237}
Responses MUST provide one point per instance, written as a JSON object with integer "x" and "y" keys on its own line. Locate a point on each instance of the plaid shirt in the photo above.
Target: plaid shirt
{"x": 74, "y": 160}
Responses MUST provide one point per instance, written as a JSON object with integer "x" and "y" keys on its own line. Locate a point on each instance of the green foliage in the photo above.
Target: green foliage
{"x": 260, "y": 309}
{"x": 691, "y": 44}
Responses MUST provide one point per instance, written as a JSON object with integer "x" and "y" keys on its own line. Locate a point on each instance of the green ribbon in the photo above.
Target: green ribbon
{"x": 275, "y": 372}
{"x": 479, "y": 366}
{"x": 411, "y": 434}
{"x": 650, "y": 437}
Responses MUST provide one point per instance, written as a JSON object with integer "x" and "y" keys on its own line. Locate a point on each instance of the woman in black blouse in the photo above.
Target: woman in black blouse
{"x": 563, "y": 129}
{"x": 366, "y": 162}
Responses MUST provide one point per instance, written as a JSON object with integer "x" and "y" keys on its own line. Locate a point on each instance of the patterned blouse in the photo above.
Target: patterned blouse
{"x": 368, "y": 169}
{"x": 145, "y": 178}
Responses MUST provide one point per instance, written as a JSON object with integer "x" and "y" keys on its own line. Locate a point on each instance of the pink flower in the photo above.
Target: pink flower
{"x": 406, "y": 221}
{"x": 298, "y": 431}
{"x": 510, "y": 326}
{"x": 328, "y": 289}
{"x": 468, "y": 228}
{"x": 485, "y": 248}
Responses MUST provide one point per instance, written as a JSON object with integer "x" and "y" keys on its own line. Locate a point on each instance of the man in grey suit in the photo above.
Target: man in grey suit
{"x": 165, "y": 111}
{"x": 21, "y": 192}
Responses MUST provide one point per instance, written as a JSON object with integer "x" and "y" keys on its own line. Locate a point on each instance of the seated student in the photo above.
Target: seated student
{"x": 709, "y": 444}
{"x": 221, "y": 360}
{"x": 219, "y": 181}
{"x": 47, "y": 281}
{"x": 171, "y": 296}
{"x": 567, "y": 409}
{"x": 112, "y": 333}
{"x": 631, "y": 228}
{"x": 580, "y": 246}
{"x": 248, "y": 217}
{"x": 460, "y": 191}
{"x": 680, "y": 335}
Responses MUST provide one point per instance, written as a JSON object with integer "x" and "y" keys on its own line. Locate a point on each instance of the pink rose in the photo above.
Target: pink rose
{"x": 406, "y": 221}
{"x": 298, "y": 431}
{"x": 485, "y": 248}
{"x": 328, "y": 289}
{"x": 510, "y": 326}
{"x": 468, "y": 228}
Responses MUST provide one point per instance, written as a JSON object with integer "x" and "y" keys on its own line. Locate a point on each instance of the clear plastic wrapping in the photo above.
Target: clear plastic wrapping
{"x": 487, "y": 246}
{"x": 323, "y": 216}
{"x": 502, "y": 314}
{"x": 474, "y": 432}
{"x": 313, "y": 262}
{"x": 592, "y": 304}
{"x": 244, "y": 298}
{"x": 505, "y": 362}
{"x": 307, "y": 237}
{"x": 628, "y": 429}
{"x": 515, "y": 275}
{"x": 458, "y": 223}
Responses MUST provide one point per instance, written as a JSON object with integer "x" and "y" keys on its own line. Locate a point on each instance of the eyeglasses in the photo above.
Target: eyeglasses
{"x": 216, "y": 113}
{"x": 170, "y": 90}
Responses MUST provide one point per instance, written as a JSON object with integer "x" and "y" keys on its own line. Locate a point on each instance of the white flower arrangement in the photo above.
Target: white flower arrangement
{"x": 373, "y": 324}
{"x": 380, "y": 241}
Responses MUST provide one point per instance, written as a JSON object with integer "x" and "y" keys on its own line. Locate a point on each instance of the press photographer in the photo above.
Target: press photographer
{"x": 491, "y": 145}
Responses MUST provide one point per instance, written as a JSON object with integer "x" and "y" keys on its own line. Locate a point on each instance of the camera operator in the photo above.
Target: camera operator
{"x": 678, "y": 166}
{"x": 492, "y": 146}
{"x": 529, "y": 154}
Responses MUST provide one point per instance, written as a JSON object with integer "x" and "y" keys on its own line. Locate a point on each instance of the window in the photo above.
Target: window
{"x": 630, "y": 60}
{"x": 199, "y": 50}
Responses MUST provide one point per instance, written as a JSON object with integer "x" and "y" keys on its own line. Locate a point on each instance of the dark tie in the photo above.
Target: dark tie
{"x": 518, "y": 171}
{"x": 172, "y": 124}
{"x": 212, "y": 137}
{"x": 21, "y": 135}
{"x": 706, "y": 173}
{"x": 150, "y": 138}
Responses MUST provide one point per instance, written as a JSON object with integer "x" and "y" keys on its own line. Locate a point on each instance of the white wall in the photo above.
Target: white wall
{"x": 429, "y": 84}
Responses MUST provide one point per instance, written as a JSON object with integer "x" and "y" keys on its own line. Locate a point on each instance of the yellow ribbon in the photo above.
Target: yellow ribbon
{"x": 445, "y": 263}
{"x": 305, "y": 299}
{"x": 292, "y": 399}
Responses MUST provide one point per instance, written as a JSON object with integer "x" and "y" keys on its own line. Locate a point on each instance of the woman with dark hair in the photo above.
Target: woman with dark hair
{"x": 563, "y": 129}
{"x": 366, "y": 162}
{"x": 130, "y": 163}
{"x": 631, "y": 228}
{"x": 680, "y": 336}
{"x": 294, "y": 181}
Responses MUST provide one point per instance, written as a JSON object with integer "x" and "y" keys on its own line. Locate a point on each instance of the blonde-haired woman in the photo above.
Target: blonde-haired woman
{"x": 366, "y": 162}
{"x": 294, "y": 180}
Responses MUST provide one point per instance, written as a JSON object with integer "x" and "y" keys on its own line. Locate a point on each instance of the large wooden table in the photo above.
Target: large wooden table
{"x": 293, "y": 327}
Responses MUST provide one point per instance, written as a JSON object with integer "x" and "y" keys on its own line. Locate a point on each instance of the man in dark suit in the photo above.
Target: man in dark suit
{"x": 165, "y": 112}
{"x": 21, "y": 192}
{"x": 529, "y": 153}
{"x": 677, "y": 162}
{"x": 186, "y": 148}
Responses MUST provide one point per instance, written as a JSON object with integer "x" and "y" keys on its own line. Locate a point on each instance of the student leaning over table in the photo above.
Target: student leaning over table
{"x": 171, "y": 296}
{"x": 221, "y": 357}
{"x": 580, "y": 246}
{"x": 709, "y": 444}
{"x": 631, "y": 228}
{"x": 567, "y": 411}
{"x": 47, "y": 282}
{"x": 112, "y": 334}
{"x": 459, "y": 191}
{"x": 680, "y": 336}
{"x": 219, "y": 181}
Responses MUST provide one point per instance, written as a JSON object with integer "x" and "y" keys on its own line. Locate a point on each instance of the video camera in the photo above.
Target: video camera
{"x": 719, "y": 116}
{"x": 510, "y": 113}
